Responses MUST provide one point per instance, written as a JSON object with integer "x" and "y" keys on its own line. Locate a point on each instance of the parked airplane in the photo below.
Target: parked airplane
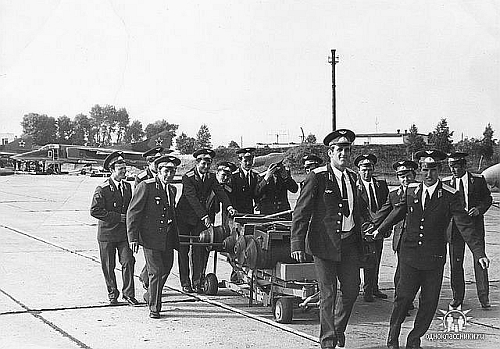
{"x": 17, "y": 146}
{"x": 59, "y": 154}
{"x": 492, "y": 176}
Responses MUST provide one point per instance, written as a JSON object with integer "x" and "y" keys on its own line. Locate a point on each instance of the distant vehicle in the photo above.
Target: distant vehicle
{"x": 492, "y": 176}
{"x": 54, "y": 156}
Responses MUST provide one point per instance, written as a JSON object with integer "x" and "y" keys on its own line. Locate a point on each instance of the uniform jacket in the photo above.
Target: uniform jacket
{"x": 478, "y": 196}
{"x": 423, "y": 244}
{"x": 317, "y": 217}
{"x": 193, "y": 203}
{"x": 394, "y": 199}
{"x": 151, "y": 218}
{"x": 381, "y": 191}
{"x": 107, "y": 206}
{"x": 273, "y": 195}
{"x": 243, "y": 195}
{"x": 143, "y": 175}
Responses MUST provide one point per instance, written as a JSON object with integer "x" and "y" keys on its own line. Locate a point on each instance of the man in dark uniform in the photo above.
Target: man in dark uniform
{"x": 194, "y": 216}
{"x": 405, "y": 171}
{"x": 477, "y": 200}
{"x": 109, "y": 205}
{"x": 244, "y": 182}
{"x": 151, "y": 155}
{"x": 310, "y": 162}
{"x": 428, "y": 208}
{"x": 152, "y": 223}
{"x": 326, "y": 224}
{"x": 272, "y": 190}
{"x": 372, "y": 194}
{"x": 224, "y": 176}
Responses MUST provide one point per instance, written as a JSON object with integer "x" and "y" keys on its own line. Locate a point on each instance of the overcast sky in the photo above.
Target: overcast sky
{"x": 250, "y": 69}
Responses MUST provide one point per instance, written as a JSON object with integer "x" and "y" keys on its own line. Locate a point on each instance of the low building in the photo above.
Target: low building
{"x": 394, "y": 138}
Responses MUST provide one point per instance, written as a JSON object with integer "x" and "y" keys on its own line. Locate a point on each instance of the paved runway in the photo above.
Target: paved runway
{"x": 52, "y": 292}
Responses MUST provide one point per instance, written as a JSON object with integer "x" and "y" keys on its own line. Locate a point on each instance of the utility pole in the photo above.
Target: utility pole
{"x": 333, "y": 60}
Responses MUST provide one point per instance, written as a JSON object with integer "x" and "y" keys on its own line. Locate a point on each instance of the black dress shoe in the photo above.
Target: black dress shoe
{"x": 368, "y": 298}
{"x": 200, "y": 290}
{"x": 455, "y": 303}
{"x": 392, "y": 346}
{"x": 413, "y": 346}
{"x": 341, "y": 340}
{"x": 113, "y": 301}
{"x": 485, "y": 305}
{"x": 154, "y": 315}
{"x": 380, "y": 294}
{"x": 187, "y": 289}
{"x": 131, "y": 301}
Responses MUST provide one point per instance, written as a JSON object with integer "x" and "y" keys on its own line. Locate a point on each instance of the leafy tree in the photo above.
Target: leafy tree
{"x": 487, "y": 143}
{"x": 310, "y": 139}
{"x": 122, "y": 120}
{"x": 134, "y": 132}
{"x": 203, "y": 138}
{"x": 83, "y": 132}
{"x": 65, "y": 130}
{"x": 41, "y": 127}
{"x": 161, "y": 126}
{"x": 441, "y": 136}
{"x": 185, "y": 144}
{"x": 233, "y": 145}
{"x": 414, "y": 142}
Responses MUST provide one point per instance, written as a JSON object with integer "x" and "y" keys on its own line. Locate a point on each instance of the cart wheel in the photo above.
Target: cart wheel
{"x": 210, "y": 284}
{"x": 283, "y": 310}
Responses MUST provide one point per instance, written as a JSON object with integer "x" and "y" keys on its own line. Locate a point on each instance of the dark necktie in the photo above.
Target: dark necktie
{"x": 461, "y": 190}
{"x": 427, "y": 198}
{"x": 373, "y": 202}
{"x": 345, "y": 200}
{"x": 120, "y": 189}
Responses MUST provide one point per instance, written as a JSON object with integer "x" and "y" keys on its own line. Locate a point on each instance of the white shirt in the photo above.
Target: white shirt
{"x": 117, "y": 185}
{"x": 465, "y": 181}
{"x": 428, "y": 189}
{"x": 367, "y": 188}
{"x": 347, "y": 222}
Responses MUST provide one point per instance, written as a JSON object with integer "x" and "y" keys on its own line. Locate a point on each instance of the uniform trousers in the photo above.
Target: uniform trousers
{"x": 199, "y": 256}
{"x": 370, "y": 275}
{"x": 411, "y": 279}
{"x": 336, "y": 308}
{"x": 158, "y": 263}
{"x": 107, "y": 252}
{"x": 457, "y": 252}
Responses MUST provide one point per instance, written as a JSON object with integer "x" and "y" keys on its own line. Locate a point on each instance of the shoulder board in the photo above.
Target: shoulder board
{"x": 353, "y": 172}
{"x": 190, "y": 174}
{"x": 477, "y": 175}
{"x": 413, "y": 185}
{"x": 393, "y": 189}
{"x": 236, "y": 172}
{"x": 447, "y": 178}
{"x": 150, "y": 180}
{"x": 105, "y": 184}
{"x": 450, "y": 189}
{"x": 319, "y": 169}
{"x": 142, "y": 175}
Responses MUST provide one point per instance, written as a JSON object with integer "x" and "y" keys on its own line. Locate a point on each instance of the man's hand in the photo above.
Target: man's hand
{"x": 474, "y": 212}
{"x": 299, "y": 256}
{"x": 207, "y": 222}
{"x": 484, "y": 262}
{"x": 123, "y": 217}
{"x": 270, "y": 171}
{"x": 375, "y": 233}
{"x": 134, "y": 246}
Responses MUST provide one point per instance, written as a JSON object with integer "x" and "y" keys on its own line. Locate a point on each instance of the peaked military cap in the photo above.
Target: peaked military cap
{"x": 311, "y": 158}
{"x": 430, "y": 158}
{"x": 457, "y": 158}
{"x": 167, "y": 161}
{"x": 339, "y": 137}
{"x": 226, "y": 166}
{"x": 404, "y": 166}
{"x": 115, "y": 157}
{"x": 365, "y": 159}
{"x": 245, "y": 152}
{"x": 204, "y": 154}
{"x": 154, "y": 153}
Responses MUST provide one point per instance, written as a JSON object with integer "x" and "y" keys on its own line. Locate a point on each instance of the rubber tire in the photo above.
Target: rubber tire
{"x": 283, "y": 310}
{"x": 210, "y": 284}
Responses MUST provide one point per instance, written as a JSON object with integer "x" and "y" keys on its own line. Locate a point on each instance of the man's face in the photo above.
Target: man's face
{"x": 366, "y": 172}
{"x": 222, "y": 177}
{"x": 152, "y": 166}
{"x": 166, "y": 173}
{"x": 457, "y": 170}
{"x": 246, "y": 162}
{"x": 406, "y": 178}
{"x": 203, "y": 165}
{"x": 430, "y": 175}
{"x": 119, "y": 172}
{"x": 339, "y": 156}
